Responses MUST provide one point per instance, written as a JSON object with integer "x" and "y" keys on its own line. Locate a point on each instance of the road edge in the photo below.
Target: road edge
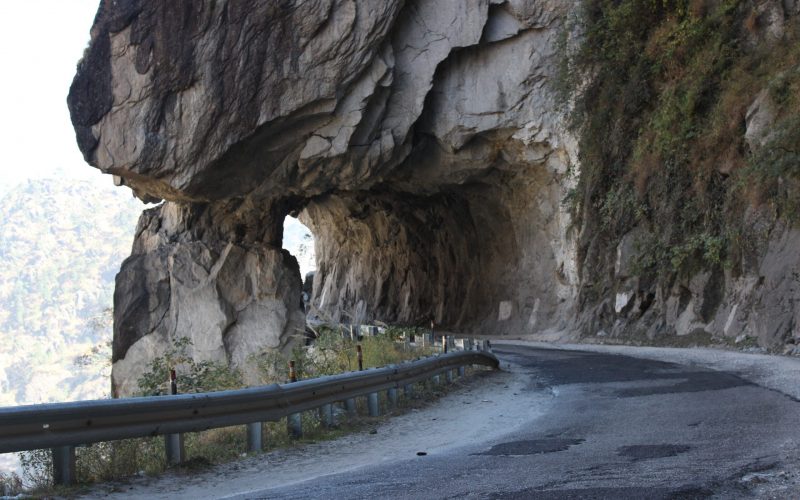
{"x": 778, "y": 373}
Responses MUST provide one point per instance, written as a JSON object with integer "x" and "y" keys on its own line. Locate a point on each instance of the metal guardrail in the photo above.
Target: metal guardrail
{"x": 65, "y": 425}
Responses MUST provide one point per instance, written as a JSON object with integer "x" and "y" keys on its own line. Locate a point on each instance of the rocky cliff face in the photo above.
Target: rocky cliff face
{"x": 420, "y": 140}
{"x": 689, "y": 181}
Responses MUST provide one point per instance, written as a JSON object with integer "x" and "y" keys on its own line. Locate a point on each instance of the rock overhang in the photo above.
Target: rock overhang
{"x": 419, "y": 140}
{"x": 198, "y": 101}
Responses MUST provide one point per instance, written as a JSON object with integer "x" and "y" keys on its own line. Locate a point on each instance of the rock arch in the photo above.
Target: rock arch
{"x": 420, "y": 141}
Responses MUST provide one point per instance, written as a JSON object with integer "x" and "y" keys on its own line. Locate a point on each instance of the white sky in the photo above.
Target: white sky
{"x": 41, "y": 42}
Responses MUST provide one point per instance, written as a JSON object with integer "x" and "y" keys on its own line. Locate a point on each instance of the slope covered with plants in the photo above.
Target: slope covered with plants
{"x": 61, "y": 244}
{"x": 688, "y": 119}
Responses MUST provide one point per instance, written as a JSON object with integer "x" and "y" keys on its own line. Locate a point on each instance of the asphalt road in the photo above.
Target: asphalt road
{"x": 614, "y": 427}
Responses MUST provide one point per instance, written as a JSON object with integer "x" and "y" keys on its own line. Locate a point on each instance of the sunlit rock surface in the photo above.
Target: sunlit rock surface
{"x": 419, "y": 140}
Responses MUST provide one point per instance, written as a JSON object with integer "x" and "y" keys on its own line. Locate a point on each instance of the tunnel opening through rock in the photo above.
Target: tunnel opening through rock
{"x": 451, "y": 255}
{"x": 299, "y": 241}
{"x": 428, "y": 146}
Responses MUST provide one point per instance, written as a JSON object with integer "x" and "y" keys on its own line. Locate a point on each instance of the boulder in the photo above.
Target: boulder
{"x": 231, "y": 300}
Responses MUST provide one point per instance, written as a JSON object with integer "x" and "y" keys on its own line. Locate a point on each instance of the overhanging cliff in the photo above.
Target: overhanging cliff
{"x": 422, "y": 141}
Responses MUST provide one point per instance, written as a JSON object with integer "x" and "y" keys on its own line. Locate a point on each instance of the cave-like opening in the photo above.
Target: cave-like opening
{"x": 298, "y": 239}
{"x": 474, "y": 257}
{"x": 429, "y": 170}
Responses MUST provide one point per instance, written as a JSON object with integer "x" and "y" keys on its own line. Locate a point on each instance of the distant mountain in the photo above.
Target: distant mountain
{"x": 61, "y": 244}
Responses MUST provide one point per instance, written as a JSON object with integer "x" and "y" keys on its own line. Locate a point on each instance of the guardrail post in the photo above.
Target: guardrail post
{"x": 295, "y": 425}
{"x": 408, "y": 391}
{"x": 437, "y": 380}
{"x": 64, "y": 465}
{"x": 372, "y": 403}
{"x": 173, "y": 443}
{"x": 448, "y": 376}
{"x": 350, "y": 406}
{"x": 326, "y": 415}
{"x": 461, "y": 371}
{"x": 254, "y": 437}
{"x": 391, "y": 395}
{"x": 294, "y": 422}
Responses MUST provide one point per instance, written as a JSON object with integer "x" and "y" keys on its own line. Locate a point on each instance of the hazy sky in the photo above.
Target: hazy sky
{"x": 41, "y": 42}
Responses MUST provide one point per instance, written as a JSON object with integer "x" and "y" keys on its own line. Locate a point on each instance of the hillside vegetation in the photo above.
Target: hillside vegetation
{"x": 61, "y": 244}
{"x": 663, "y": 128}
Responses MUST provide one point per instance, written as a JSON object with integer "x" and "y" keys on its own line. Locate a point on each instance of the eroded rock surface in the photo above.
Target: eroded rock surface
{"x": 232, "y": 298}
{"x": 420, "y": 140}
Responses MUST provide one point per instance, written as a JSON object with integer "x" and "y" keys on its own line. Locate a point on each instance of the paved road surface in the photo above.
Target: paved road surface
{"x": 614, "y": 427}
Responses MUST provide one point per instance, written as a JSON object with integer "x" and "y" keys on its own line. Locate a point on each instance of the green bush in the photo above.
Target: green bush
{"x": 192, "y": 376}
{"x": 775, "y": 168}
{"x": 10, "y": 484}
{"x": 115, "y": 459}
{"x": 334, "y": 351}
{"x": 37, "y": 469}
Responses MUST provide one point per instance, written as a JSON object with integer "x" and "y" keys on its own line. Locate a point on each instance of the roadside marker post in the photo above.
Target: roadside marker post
{"x": 294, "y": 422}
{"x": 173, "y": 443}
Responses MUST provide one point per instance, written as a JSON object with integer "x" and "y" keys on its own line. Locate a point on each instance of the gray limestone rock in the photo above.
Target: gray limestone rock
{"x": 759, "y": 120}
{"x": 233, "y": 300}
{"x": 420, "y": 140}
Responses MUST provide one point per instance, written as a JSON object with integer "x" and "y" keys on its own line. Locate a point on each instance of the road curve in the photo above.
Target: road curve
{"x": 555, "y": 423}
{"x": 615, "y": 427}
